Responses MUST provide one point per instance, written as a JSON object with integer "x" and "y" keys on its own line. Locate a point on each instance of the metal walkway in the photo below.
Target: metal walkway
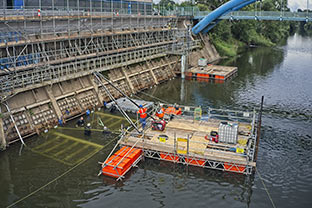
{"x": 210, "y": 19}
{"x": 261, "y": 15}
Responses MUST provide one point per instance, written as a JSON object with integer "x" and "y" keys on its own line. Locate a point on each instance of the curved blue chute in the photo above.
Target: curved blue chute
{"x": 212, "y": 19}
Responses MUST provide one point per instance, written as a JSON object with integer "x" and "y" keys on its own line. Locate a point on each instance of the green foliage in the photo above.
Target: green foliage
{"x": 203, "y": 7}
{"x": 306, "y": 28}
{"x": 228, "y": 36}
{"x": 167, "y": 4}
{"x": 186, "y": 4}
{"x": 251, "y": 32}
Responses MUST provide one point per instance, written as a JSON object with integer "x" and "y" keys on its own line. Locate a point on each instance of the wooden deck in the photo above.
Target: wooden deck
{"x": 214, "y": 72}
{"x": 199, "y": 147}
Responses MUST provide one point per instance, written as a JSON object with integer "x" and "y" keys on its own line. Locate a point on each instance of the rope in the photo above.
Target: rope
{"x": 163, "y": 101}
{"x": 60, "y": 176}
{"x": 82, "y": 129}
{"x": 266, "y": 189}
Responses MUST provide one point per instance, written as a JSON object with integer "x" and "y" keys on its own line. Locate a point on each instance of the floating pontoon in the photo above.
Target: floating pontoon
{"x": 205, "y": 137}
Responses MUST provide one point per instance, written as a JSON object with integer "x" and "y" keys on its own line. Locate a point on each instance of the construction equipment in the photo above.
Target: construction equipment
{"x": 116, "y": 88}
{"x": 98, "y": 75}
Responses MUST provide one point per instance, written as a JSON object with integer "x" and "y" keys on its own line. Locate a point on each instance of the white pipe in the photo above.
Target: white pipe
{"x": 183, "y": 63}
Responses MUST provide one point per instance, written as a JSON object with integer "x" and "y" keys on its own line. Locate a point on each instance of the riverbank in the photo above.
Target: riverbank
{"x": 230, "y": 37}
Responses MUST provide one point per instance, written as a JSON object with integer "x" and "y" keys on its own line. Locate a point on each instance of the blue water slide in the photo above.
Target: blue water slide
{"x": 212, "y": 18}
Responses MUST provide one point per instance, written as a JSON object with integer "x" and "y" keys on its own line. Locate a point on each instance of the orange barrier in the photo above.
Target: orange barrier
{"x": 125, "y": 157}
{"x": 169, "y": 157}
{"x": 195, "y": 162}
{"x": 233, "y": 167}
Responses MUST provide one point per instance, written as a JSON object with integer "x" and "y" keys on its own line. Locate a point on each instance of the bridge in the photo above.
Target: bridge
{"x": 229, "y": 10}
{"x": 260, "y": 15}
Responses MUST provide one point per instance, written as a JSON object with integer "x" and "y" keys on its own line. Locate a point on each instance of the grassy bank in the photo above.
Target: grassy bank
{"x": 228, "y": 36}
{"x": 227, "y": 48}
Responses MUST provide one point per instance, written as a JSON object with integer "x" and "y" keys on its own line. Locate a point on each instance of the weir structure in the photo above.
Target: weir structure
{"x": 49, "y": 51}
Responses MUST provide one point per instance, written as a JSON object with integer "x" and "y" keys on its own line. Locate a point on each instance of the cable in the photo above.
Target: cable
{"x": 265, "y": 188}
{"x": 60, "y": 176}
{"x": 163, "y": 101}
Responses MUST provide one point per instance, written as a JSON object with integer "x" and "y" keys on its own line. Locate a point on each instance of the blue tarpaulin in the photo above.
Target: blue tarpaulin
{"x": 18, "y": 4}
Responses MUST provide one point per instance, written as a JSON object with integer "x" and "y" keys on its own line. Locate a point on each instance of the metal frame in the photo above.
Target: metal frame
{"x": 211, "y": 164}
{"x": 188, "y": 158}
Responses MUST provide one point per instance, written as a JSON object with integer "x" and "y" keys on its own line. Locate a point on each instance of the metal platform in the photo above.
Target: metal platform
{"x": 214, "y": 72}
{"x": 184, "y": 140}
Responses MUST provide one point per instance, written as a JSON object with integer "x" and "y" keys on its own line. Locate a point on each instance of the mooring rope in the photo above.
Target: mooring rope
{"x": 60, "y": 176}
{"x": 266, "y": 189}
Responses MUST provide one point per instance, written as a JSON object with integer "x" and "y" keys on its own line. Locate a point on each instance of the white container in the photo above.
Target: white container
{"x": 202, "y": 62}
{"x": 228, "y": 133}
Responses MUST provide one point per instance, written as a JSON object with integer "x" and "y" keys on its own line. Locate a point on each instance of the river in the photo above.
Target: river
{"x": 283, "y": 75}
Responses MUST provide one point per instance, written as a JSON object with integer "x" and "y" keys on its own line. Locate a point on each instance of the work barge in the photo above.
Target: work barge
{"x": 49, "y": 52}
{"x": 188, "y": 139}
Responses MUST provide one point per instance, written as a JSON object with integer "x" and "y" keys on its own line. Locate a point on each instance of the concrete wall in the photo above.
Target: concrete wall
{"x": 39, "y": 109}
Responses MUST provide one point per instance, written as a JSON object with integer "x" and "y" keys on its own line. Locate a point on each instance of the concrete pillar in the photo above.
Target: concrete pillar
{"x": 3, "y": 142}
{"x": 128, "y": 80}
{"x": 96, "y": 89}
{"x": 171, "y": 71}
{"x": 80, "y": 105}
{"x": 183, "y": 66}
{"x": 30, "y": 120}
{"x": 166, "y": 61}
{"x": 182, "y": 91}
{"x": 53, "y": 102}
{"x": 152, "y": 73}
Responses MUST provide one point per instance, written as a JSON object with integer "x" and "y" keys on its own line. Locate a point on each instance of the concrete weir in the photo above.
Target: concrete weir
{"x": 47, "y": 62}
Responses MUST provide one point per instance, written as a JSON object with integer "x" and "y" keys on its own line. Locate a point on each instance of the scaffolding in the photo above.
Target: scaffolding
{"x": 45, "y": 44}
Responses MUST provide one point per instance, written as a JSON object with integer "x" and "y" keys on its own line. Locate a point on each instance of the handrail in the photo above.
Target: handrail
{"x": 12, "y": 118}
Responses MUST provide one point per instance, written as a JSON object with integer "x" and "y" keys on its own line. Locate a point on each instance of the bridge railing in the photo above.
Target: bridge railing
{"x": 99, "y": 10}
{"x": 268, "y": 14}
